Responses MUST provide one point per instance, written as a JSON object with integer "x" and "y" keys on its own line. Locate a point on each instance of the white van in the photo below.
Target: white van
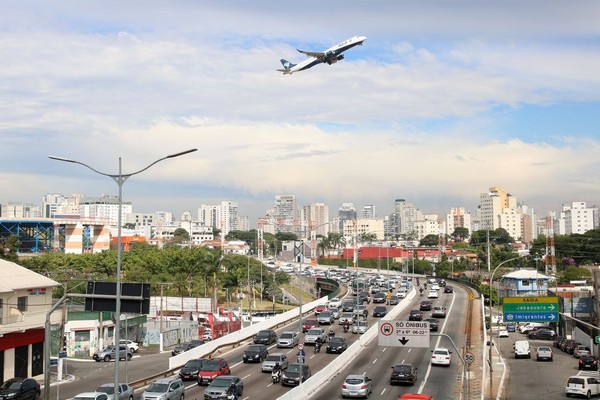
{"x": 524, "y": 329}
{"x": 522, "y": 349}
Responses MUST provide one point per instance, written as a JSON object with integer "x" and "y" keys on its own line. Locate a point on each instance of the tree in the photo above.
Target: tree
{"x": 9, "y": 248}
{"x": 430, "y": 240}
{"x": 181, "y": 236}
{"x": 460, "y": 234}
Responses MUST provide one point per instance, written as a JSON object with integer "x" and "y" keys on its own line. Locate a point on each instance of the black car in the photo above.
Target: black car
{"x": 415, "y": 315}
{"x": 363, "y": 297}
{"x": 433, "y": 324}
{"x": 181, "y": 348}
{"x": 379, "y": 297}
{"x": 20, "y": 389}
{"x": 337, "y": 345}
{"x": 425, "y": 305}
{"x": 448, "y": 289}
{"x": 542, "y": 334}
{"x": 403, "y": 373}
{"x": 190, "y": 369}
{"x": 255, "y": 353}
{"x": 266, "y": 337}
{"x": 588, "y": 362}
{"x": 379, "y": 311}
{"x": 290, "y": 376}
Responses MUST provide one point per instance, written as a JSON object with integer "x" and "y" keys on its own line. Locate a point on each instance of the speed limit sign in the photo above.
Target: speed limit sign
{"x": 469, "y": 357}
{"x": 300, "y": 346}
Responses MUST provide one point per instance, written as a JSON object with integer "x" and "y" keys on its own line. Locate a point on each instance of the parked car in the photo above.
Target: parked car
{"x": 403, "y": 373}
{"x": 360, "y": 326}
{"x": 433, "y": 324}
{"x": 272, "y": 359}
{"x": 357, "y": 386}
{"x": 326, "y": 317}
{"x": 558, "y": 340}
{"x": 581, "y": 350}
{"x": 255, "y": 353}
{"x": 291, "y": 376}
{"x": 415, "y": 315}
{"x": 20, "y": 389}
{"x": 588, "y": 362}
{"x": 133, "y": 346}
{"x": 541, "y": 334}
{"x": 165, "y": 388}
{"x": 109, "y": 353}
{"x": 287, "y": 339}
{"x": 211, "y": 369}
{"x": 543, "y": 353}
{"x": 379, "y": 311}
{"x": 265, "y": 337}
{"x": 125, "y": 391}
{"x": 571, "y": 347}
{"x": 438, "y": 312}
{"x": 190, "y": 369}
{"x": 90, "y": 396}
{"x": 312, "y": 335}
{"x": 219, "y": 387}
{"x": 441, "y": 356}
{"x": 308, "y": 324}
{"x": 337, "y": 345}
{"x": 425, "y": 305}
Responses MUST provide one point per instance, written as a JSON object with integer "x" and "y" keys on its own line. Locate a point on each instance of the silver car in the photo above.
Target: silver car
{"x": 219, "y": 386}
{"x": 125, "y": 391}
{"x": 312, "y": 335}
{"x": 335, "y": 311}
{"x": 287, "y": 339}
{"x": 360, "y": 326}
{"x": 326, "y": 317}
{"x": 272, "y": 359}
{"x": 165, "y": 389}
{"x": 357, "y": 386}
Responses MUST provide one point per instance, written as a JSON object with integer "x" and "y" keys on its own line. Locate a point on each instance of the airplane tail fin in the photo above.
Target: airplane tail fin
{"x": 287, "y": 66}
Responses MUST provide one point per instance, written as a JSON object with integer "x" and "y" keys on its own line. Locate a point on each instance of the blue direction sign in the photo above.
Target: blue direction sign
{"x": 531, "y": 317}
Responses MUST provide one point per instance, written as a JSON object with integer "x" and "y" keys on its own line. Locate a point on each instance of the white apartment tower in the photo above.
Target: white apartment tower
{"x": 222, "y": 216}
{"x": 458, "y": 217}
{"x": 407, "y": 215}
{"x": 577, "y": 218}
{"x": 104, "y": 207}
{"x": 368, "y": 212}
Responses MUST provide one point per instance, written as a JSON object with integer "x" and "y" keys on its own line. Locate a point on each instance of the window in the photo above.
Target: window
{"x": 22, "y": 303}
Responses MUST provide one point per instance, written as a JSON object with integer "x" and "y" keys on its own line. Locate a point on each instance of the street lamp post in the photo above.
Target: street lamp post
{"x": 490, "y": 312}
{"x": 120, "y": 179}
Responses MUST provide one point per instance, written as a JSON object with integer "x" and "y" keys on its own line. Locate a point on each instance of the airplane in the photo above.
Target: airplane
{"x": 329, "y": 56}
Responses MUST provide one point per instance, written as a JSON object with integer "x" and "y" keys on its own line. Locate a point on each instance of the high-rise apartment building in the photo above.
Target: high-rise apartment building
{"x": 222, "y": 216}
{"x": 368, "y": 212}
{"x": 577, "y": 218}
{"x": 104, "y": 207}
{"x": 20, "y": 210}
{"x": 347, "y": 212}
{"x": 428, "y": 225}
{"x": 458, "y": 217}
{"x": 406, "y": 216}
{"x": 315, "y": 218}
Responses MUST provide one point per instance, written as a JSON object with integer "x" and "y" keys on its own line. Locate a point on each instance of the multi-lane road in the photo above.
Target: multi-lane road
{"x": 373, "y": 360}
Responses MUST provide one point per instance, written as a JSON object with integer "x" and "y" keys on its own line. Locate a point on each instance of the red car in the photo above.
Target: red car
{"x": 211, "y": 369}
{"x": 309, "y": 323}
{"x": 320, "y": 308}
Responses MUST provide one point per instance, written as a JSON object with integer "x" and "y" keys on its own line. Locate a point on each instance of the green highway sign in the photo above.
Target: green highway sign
{"x": 530, "y": 309}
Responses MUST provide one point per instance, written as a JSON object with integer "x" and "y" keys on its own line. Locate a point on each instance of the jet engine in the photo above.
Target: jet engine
{"x": 335, "y": 59}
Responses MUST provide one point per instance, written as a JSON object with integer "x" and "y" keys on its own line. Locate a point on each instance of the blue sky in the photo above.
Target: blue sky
{"x": 444, "y": 100}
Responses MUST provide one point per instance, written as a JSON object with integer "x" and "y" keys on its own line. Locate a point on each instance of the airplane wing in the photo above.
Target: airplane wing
{"x": 285, "y": 71}
{"x": 312, "y": 53}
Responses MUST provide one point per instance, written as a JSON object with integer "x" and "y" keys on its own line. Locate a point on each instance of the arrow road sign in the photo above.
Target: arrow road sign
{"x": 404, "y": 333}
{"x": 531, "y": 317}
{"x": 530, "y": 309}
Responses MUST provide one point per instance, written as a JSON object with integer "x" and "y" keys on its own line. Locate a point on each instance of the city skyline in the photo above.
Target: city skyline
{"x": 439, "y": 104}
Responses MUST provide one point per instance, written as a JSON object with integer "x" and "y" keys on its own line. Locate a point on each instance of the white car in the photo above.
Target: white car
{"x": 435, "y": 286}
{"x": 401, "y": 293}
{"x": 133, "y": 346}
{"x": 335, "y": 302}
{"x": 441, "y": 356}
{"x": 433, "y": 294}
{"x": 312, "y": 335}
{"x": 502, "y": 332}
{"x": 582, "y": 385}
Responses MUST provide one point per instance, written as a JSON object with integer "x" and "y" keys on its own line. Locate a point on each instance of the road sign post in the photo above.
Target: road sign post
{"x": 530, "y": 309}
{"x": 404, "y": 333}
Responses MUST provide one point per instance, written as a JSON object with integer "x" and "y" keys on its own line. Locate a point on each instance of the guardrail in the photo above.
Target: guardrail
{"x": 316, "y": 381}
{"x": 231, "y": 340}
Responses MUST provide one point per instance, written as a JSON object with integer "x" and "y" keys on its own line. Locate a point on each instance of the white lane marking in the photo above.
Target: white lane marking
{"x": 374, "y": 361}
{"x": 384, "y": 349}
{"x": 437, "y": 344}
{"x": 244, "y": 377}
{"x": 383, "y": 391}
{"x": 235, "y": 365}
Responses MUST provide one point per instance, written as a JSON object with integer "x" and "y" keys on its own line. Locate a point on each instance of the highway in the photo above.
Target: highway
{"x": 440, "y": 381}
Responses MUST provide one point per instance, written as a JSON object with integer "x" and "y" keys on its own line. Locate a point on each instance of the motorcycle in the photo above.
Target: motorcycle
{"x": 346, "y": 328}
{"x": 276, "y": 376}
{"x": 318, "y": 347}
{"x": 331, "y": 333}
